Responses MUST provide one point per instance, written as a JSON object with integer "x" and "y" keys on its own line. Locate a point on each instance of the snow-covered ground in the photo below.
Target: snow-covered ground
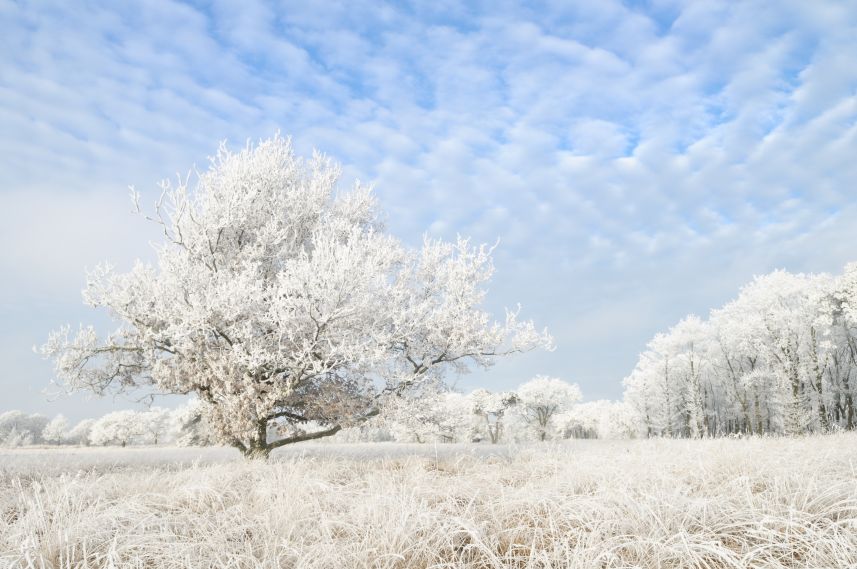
{"x": 649, "y": 503}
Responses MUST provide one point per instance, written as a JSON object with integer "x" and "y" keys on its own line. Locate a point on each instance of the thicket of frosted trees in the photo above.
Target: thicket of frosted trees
{"x": 779, "y": 359}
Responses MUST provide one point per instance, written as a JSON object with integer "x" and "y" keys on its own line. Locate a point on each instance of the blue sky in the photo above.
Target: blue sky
{"x": 638, "y": 161}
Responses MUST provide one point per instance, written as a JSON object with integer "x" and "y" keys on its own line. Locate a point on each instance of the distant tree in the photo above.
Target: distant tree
{"x": 116, "y": 428}
{"x": 671, "y": 369}
{"x": 20, "y": 429}
{"x": 276, "y": 300}
{"x": 600, "y": 419}
{"x": 842, "y": 305}
{"x": 622, "y": 422}
{"x": 582, "y": 421}
{"x": 542, "y": 398}
{"x": 490, "y": 408}
{"x": 779, "y": 317}
{"x": 79, "y": 434}
{"x": 56, "y": 431}
{"x": 440, "y": 416}
{"x": 154, "y": 424}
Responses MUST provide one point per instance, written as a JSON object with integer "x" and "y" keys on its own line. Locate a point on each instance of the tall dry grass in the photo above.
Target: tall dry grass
{"x": 717, "y": 503}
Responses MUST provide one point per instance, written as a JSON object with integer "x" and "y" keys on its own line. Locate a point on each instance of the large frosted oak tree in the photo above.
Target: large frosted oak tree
{"x": 282, "y": 304}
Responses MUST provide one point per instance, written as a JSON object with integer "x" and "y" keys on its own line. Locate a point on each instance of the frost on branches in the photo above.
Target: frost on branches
{"x": 277, "y": 300}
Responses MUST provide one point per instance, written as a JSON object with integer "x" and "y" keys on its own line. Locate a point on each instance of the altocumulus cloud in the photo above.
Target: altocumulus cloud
{"x": 638, "y": 160}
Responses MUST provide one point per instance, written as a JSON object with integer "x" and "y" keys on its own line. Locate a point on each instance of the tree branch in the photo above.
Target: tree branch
{"x": 288, "y": 415}
{"x": 305, "y": 437}
{"x": 320, "y": 434}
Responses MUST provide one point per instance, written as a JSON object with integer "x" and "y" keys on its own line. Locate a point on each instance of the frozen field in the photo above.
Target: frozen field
{"x": 653, "y": 503}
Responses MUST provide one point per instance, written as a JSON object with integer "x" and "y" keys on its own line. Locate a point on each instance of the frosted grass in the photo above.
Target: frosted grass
{"x": 653, "y": 503}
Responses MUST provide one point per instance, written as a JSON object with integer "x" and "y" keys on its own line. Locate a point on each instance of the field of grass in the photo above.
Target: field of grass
{"x": 653, "y": 503}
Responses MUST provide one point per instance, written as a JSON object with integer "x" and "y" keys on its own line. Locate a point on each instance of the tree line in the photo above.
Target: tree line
{"x": 778, "y": 359}
{"x": 182, "y": 426}
{"x": 543, "y": 408}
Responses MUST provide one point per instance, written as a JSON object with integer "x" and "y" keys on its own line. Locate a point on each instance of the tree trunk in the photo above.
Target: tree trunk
{"x": 745, "y": 407}
{"x": 543, "y": 417}
{"x": 669, "y": 409}
{"x": 758, "y": 412}
{"x": 493, "y": 430}
{"x": 795, "y": 417}
{"x": 849, "y": 402}
{"x": 819, "y": 383}
{"x": 256, "y": 451}
{"x": 849, "y": 411}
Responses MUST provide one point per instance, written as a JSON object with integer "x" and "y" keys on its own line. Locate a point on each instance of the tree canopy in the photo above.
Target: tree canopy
{"x": 282, "y": 302}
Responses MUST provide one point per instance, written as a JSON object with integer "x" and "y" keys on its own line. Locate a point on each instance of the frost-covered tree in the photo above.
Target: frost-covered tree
{"x": 667, "y": 385}
{"x": 56, "y": 431}
{"x": 542, "y": 398}
{"x": 277, "y": 300}
{"x": 779, "y": 358}
{"x": 621, "y": 422}
{"x": 116, "y": 428}
{"x": 643, "y": 394}
{"x": 842, "y": 305}
{"x": 19, "y": 429}
{"x": 439, "y": 416}
{"x": 600, "y": 419}
{"x": 79, "y": 434}
{"x": 154, "y": 424}
{"x": 691, "y": 337}
{"x": 491, "y": 408}
{"x": 778, "y": 316}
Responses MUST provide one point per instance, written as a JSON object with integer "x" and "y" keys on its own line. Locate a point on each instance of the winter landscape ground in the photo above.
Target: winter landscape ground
{"x": 758, "y": 502}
